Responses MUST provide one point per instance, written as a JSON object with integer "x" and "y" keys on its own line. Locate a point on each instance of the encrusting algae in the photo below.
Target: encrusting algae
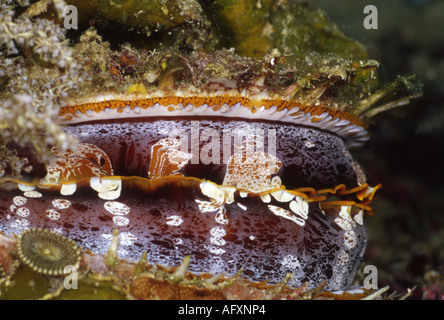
{"x": 276, "y": 66}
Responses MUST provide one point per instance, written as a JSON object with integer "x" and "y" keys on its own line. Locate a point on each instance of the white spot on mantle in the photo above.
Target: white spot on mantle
{"x": 174, "y": 220}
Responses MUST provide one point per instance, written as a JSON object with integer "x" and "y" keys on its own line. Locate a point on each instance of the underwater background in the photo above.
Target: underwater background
{"x": 406, "y": 234}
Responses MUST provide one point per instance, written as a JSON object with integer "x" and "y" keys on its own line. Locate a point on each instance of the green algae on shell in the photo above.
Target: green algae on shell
{"x": 140, "y": 13}
{"x": 254, "y": 27}
{"x": 47, "y": 252}
{"x": 92, "y": 286}
{"x": 24, "y": 284}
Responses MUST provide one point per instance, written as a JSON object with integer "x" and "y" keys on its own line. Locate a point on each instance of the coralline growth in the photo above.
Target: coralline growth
{"x": 37, "y": 71}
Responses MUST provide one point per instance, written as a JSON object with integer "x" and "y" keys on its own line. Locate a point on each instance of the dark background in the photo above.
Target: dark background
{"x": 404, "y": 153}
